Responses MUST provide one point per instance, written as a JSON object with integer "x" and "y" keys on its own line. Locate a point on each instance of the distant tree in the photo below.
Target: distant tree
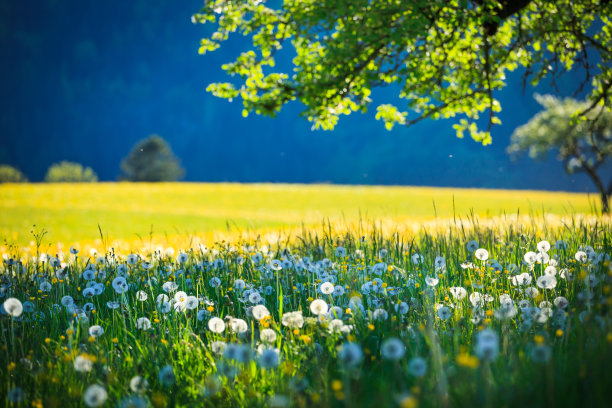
{"x": 70, "y": 172}
{"x": 9, "y": 174}
{"x": 445, "y": 58}
{"x": 582, "y": 145}
{"x": 151, "y": 159}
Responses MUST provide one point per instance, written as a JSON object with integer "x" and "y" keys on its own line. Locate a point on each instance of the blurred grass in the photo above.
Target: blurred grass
{"x": 72, "y": 212}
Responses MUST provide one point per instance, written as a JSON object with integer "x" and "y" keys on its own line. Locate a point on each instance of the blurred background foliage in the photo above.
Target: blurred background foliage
{"x": 86, "y": 80}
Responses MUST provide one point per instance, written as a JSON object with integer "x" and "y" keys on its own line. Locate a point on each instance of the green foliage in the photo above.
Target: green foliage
{"x": 497, "y": 326}
{"x": 151, "y": 159}
{"x": 9, "y": 174}
{"x": 70, "y": 172}
{"x": 448, "y": 57}
{"x": 583, "y": 141}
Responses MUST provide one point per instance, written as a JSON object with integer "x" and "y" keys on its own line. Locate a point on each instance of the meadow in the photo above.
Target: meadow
{"x": 132, "y": 212}
{"x": 460, "y": 309}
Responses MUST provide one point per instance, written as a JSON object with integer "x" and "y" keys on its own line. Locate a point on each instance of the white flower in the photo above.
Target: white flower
{"x": 216, "y": 325}
{"x": 327, "y": 288}
{"x": 481, "y": 254}
{"x": 350, "y": 354}
{"x": 67, "y": 301}
{"x": 340, "y": 252}
{"x": 166, "y": 376}
{"x": 83, "y": 364}
{"x": 143, "y": 323}
{"x": 380, "y": 314}
{"x": 440, "y": 262}
{"x": 543, "y": 246}
{"x": 402, "y": 308}
{"x": 16, "y": 395}
{"x": 546, "y": 282}
{"x": 392, "y": 349}
{"x": 294, "y": 320}
{"x": 487, "y": 344}
{"x": 238, "y": 326}
{"x": 94, "y": 396}
{"x": 13, "y": 307}
{"x": 120, "y": 284}
{"x": 417, "y": 367}
{"x": 540, "y": 353}
{"x": 268, "y": 359}
{"x": 318, "y": 306}
{"x": 472, "y": 246}
{"x": 276, "y": 265}
{"x": 169, "y": 287}
{"x": 96, "y": 331}
{"x": 139, "y": 384}
{"x": 191, "y": 302}
{"x": 431, "y": 281}
{"x": 444, "y": 313}
{"x": 458, "y": 292}
{"x": 141, "y": 295}
{"x": 530, "y": 257}
{"x": 338, "y": 290}
{"x": 581, "y": 257}
{"x": 260, "y": 311}
{"x": 268, "y": 335}
{"x": 561, "y": 302}
{"x": 417, "y": 259}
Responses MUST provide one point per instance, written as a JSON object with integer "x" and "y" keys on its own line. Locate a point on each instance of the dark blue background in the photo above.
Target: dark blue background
{"x": 85, "y": 80}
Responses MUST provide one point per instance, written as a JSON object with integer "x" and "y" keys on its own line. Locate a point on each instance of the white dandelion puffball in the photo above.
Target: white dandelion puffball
{"x": 13, "y": 307}
{"x": 318, "y": 307}
{"x": 350, "y": 354}
{"x": 392, "y": 349}
{"x": 444, "y": 313}
{"x": 166, "y": 376}
{"x": 269, "y": 359}
{"x": 458, "y": 292}
{"x": 481, "y": 254}
{"x": 260, "y": 312}
{"x": 141, "y": 295}
{"x": 191, "y": 302}
{"x": 268, "y": 335}
{"x": 96, "y": 331}
{"x": 327, "y": 288}
{"x": 83, "y": 364}
{"x": 487, "y": 344}
{"x": 417, "y": 367}
{"x": 139, "y": 384}
{"x": 546, "y": 282}
{"x": 94, "y": 396}
{"x": 530, "y": 257}
{"x": 238, "y": 326}
{"x": 216, "y": 325}
{"x": 143, "y": 323}
{"x": 431, "y": 281}
{"x": 293, "y": 320}
{"x": 472, "y": 246}
{"x": 543, "y": 246}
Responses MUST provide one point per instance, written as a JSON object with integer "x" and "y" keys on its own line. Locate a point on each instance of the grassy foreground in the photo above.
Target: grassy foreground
{"x": 511, "y": 315}
{"x": 72, "y": 212}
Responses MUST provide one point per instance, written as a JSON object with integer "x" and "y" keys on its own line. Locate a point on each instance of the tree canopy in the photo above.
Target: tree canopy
{"x": 446, "y": 58}
{"x": 581, "y": 146}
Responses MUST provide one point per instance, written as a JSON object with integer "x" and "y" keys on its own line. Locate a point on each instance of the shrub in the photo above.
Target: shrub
{"x": 70, "y": 172}
{"x": 9, "y": 174}
{"x": 151, "y": 159}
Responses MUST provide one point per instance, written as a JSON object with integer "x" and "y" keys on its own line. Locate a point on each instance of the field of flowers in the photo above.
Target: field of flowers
{"x": 515, "y": 314}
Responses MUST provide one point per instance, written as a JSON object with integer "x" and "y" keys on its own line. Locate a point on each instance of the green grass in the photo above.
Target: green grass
{"x": 72, "y": 212}
{"x": 42, "y": 350}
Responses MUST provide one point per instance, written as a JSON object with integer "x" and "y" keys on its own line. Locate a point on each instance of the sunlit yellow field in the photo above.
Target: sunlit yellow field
{"x": 131, "y": 212}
